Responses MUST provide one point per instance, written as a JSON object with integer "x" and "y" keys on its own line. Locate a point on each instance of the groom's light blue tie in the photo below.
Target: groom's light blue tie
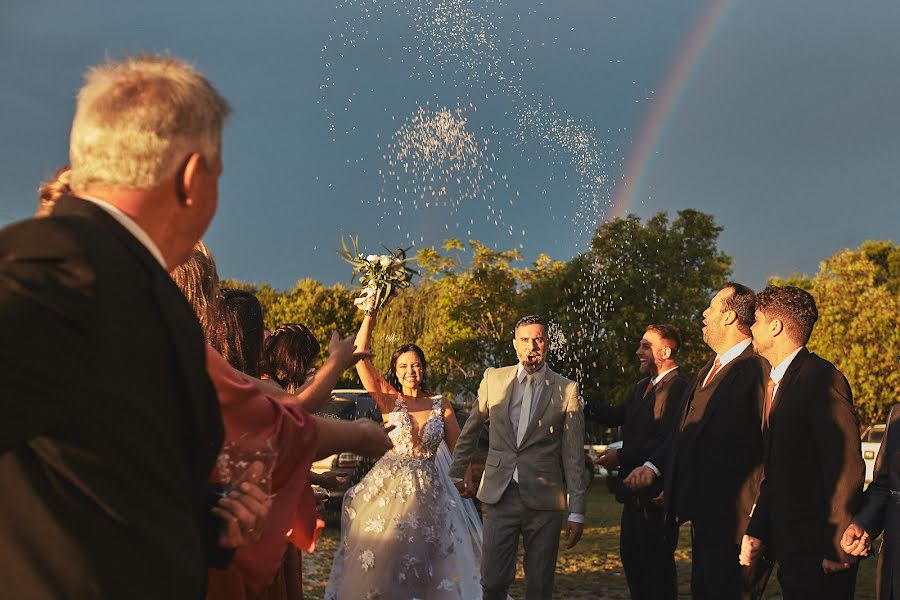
{"x": 525, "y": 413}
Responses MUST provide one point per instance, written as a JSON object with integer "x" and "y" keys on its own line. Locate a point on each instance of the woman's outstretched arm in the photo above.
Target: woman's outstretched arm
{"x": 371, "y": 378}
{"x": 342, "y": 354}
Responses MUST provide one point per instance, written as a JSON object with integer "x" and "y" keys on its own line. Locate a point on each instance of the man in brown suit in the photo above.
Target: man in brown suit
{"x": 537, "y": 425}
{"x": 712, "y": 465}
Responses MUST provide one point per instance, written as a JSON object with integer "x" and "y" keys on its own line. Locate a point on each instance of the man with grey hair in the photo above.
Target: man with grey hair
{"x": 109, "y": 425}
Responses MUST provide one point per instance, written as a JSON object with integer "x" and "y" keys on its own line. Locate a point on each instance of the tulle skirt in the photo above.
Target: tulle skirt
{"x": 406, "y": 534}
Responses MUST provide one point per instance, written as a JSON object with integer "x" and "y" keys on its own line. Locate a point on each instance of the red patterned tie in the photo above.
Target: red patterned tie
{"x": 648, "y": 388}
{"x": 712, "y": 373}
{"x": 770, "y": 389}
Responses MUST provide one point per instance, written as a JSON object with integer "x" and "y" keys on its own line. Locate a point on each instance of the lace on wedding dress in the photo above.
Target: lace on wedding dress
{"x": 405, "y": 533}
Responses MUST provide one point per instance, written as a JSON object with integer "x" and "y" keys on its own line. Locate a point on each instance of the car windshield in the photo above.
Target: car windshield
{"x": 875, "y": 435}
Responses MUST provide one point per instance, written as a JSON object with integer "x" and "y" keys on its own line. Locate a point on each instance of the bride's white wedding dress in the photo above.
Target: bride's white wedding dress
{"x": 405, "y": 532}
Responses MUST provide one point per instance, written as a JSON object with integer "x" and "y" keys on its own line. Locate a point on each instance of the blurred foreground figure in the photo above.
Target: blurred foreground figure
{"x": 880, "y": 512}
{"x": 109, "y": 425}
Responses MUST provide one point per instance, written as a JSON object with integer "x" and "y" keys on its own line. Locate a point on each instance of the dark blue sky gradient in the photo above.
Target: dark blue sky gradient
{"x": 788, "y": 131}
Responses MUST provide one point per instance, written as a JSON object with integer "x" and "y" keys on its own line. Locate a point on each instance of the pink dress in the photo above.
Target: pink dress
{"x": 250, "y": 416}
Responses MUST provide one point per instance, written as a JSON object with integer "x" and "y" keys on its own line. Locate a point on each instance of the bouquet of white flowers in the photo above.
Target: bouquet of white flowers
{"x": 380, "y": 275}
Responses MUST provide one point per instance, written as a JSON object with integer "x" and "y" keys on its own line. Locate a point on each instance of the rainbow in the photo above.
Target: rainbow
{"x": 654, "y": 125}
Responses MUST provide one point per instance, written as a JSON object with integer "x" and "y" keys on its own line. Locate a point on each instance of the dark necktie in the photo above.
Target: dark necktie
{"x": 716, "y": 366}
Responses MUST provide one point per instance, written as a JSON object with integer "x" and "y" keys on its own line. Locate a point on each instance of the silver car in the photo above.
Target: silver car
{"x": 871, "y": 442}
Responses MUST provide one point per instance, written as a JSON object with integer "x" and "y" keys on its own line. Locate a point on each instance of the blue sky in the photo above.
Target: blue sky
{"x": 787, "y": 130}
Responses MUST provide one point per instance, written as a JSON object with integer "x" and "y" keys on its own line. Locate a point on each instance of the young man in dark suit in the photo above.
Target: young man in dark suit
{"x": 647, "y": 416}
{"x": 813, "y": 465}
{"x": 109, "y": 425}
{"x": 880, "y": 512}
{"x": 712, "y": 464}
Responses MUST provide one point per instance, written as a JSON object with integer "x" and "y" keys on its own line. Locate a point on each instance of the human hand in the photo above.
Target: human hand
{"x": 855, "y": 541}
{"x": 608, "y": 459}
{"x": 751, "y": 549}
{"x": 830, "y": 566}
{"x": 639, "y": 478}
{"x": 659, "y": 500}
{"x": 573, "y": 533}
{"x": 321, "y": 496}
{"x": 332, "y": 479}
{"x": 342, "y": 350}
{"x": 372, "y": 438}
{"x": 244, "y": 511}
{"x": 469, "y": 484}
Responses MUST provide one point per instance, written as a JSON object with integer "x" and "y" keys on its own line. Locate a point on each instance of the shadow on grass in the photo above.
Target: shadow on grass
{"x": 590, "y": 571}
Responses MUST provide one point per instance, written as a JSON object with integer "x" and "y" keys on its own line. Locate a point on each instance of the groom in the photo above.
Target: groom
{"x": 536, "y": 426}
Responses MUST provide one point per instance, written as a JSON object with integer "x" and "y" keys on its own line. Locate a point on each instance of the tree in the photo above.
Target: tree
{"x": 859, "y": 323}
{"x": 635, "y": 274}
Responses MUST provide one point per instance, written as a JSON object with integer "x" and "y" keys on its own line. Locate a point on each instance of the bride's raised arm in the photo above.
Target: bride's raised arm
{"x": 374, "y": 382}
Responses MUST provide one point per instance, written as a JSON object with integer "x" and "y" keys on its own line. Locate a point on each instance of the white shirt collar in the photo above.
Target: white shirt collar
{"x": 778, "y": 372}
{"x": 659, "y": 377}
{"x": 537, "y": 377}
{"x": 734, "y": 351}
{"x": 132, "y": 227}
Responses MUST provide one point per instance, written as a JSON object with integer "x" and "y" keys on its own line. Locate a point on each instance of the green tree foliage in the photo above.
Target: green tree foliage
{"x": 635, "y": 274}
{"x": 856, "y": 292}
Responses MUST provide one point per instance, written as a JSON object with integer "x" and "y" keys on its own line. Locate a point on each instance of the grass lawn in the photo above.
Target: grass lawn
{"x": 591, "y": 570}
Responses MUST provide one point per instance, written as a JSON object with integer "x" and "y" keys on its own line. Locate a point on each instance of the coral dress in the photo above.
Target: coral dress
{"x": 252, "y": 418}
{"x": 403, "y": 534}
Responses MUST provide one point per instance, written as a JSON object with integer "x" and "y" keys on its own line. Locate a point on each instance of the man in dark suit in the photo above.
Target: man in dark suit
{"x": 109, "y": 425}
{"x": 712, "y": 464}
{"x": 813, "y": 465}
{"x": 647, "y": 416}
{"x": 879, "y": 512}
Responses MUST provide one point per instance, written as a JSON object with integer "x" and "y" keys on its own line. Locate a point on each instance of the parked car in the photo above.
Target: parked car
{"x": 347, "y": 405}
{"x": 871, "y": 442}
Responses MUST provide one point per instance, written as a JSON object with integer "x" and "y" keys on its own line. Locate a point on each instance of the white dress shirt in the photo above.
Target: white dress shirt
{"x": 778, "y": 372}
{"x": 659, "y": 377}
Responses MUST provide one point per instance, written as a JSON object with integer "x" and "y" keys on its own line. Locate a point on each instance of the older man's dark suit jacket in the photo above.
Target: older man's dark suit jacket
{"x": 880, "y": 510}
{"x": 814, "y": 469}
{"x": 646, "y": 423}
{"x": 713, "y": 463}
{"x": 109, "y": 426}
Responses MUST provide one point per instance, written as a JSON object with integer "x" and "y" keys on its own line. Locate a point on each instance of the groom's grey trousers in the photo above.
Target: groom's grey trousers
{"x": 540, "y": 530}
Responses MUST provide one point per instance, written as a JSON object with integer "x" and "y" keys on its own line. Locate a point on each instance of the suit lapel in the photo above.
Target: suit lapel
{"x": 505, "y": 389}
{"x": 721, "y": 381}
{"x": 785, "y": 384}
{"x": 698, "y": 383}
{"x": 180, "y": 321}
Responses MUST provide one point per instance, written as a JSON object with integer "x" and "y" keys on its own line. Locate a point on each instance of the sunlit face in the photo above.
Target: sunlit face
{"x": 409, "y": 370}
{"x": 763, "y": 331}
{"x": 531, "y": 346}
{"x": 207, "y": 195}
{"x": 714, "y": 319}
{"x": 652, "y": 353}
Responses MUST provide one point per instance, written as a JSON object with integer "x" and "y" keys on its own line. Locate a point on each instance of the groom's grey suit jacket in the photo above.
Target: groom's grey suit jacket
{"x": 551, "y": 457}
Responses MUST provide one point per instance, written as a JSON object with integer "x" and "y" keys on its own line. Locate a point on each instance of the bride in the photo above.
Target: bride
{"x": 405, "y": 531}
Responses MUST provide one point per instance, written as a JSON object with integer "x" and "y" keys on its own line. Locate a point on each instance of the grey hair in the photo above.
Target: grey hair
{"x": 137, "y": 119}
